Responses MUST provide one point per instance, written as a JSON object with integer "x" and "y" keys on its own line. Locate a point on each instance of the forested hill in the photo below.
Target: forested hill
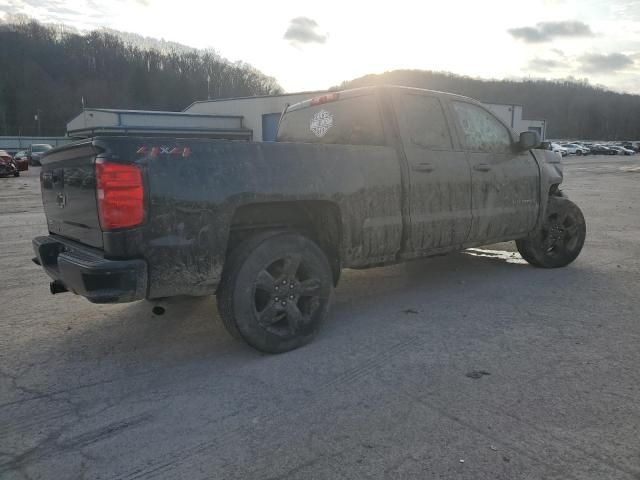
{"x": 50, "y": 70}
{"x": 572, "y": 109}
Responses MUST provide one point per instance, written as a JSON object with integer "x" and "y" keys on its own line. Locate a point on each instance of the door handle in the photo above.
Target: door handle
{"x": 423, "y": 167}
{"x": 482, "y": 167}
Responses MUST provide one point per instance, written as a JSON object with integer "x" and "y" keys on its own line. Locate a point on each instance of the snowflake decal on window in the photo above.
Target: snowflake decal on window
{"x": 321, "y": 122}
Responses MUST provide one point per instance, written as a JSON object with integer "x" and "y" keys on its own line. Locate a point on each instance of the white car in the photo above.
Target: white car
{"x": 576, "y": 149}
{"x": 556, "y": 147}
{"x": 622, "y": 150}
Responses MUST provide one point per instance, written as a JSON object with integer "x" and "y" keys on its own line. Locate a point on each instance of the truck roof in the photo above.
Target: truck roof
{"x": 356, "y": 92}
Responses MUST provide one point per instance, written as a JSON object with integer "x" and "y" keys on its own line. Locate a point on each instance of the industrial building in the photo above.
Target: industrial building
{"x": 260, "y": 114}
{"x": 244, "y": 118}
{"x": 104, "y": 121}
{"x": 512, "y": 115}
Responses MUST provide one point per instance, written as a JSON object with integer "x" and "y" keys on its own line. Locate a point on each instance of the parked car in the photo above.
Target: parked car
{"x": 8, "y": 167}
{"x": 632, "y": 146}
{"x": 36, "y": 151}
{"x": 621, "y": 150}
{"x": 576, "y": 149}
{"x": 22, "y": 160}
{"x": 598, "y": 149}
{"x": 556, "y": 147}
{"x": 355, "y": 179}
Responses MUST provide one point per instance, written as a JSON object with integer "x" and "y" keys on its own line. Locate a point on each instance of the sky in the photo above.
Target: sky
{"x": 310, "y": 45}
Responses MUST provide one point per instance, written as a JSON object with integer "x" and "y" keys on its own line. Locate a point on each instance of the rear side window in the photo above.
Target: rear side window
{"x": 482, "y": 131}
{"x": 425, "y": 123}
{"x": 348, "y": 121}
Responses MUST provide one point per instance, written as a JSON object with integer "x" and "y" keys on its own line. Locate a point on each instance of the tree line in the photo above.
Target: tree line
{"x": 573, "y": 109}
{"x": 50, "y": 71}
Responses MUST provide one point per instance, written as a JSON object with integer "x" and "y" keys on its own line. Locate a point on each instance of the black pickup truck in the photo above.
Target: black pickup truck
{"x": 356, "y": 179}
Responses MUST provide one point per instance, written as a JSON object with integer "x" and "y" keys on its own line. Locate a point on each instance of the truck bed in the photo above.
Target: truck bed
{"x": 192, "y": 189}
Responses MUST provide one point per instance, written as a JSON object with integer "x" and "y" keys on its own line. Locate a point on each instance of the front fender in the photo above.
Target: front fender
{"x": 551, "y": 176}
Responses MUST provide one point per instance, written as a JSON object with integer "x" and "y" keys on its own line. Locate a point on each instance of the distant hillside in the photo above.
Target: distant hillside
{"x": 51, "y": 69}
{"x": 572, "y": 109}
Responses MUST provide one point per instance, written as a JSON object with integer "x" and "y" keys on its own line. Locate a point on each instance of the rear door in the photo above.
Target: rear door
{"x": 270, "y": 126}
{"x": 439, "y": 175}
{"x": 349, "y": 124}
{"x": 505, "y": 181}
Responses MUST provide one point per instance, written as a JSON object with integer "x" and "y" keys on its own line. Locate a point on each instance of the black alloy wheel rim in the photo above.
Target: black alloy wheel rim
{"x": 560, "y": 234}
{"x": 287, "y": 295}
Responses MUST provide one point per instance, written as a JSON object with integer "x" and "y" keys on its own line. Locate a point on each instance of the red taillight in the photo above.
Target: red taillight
{"x": 120, "y": 195}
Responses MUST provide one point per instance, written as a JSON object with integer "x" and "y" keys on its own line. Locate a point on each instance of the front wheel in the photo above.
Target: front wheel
{"x": 560, "y": 239}
{"x": 276, "y": 291}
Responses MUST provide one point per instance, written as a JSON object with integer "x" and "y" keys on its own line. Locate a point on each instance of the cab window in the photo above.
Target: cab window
{"x": 425, "y": 123}
{"x": 349, "y": 121}
{"x": 482, "y": 131}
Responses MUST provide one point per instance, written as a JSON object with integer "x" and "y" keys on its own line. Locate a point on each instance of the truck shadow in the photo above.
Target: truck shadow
{"x": 190, "y": 327}
{"x": 131, "y": 349}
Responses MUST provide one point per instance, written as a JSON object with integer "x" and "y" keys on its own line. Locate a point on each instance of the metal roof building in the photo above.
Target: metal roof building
{"x": 103, "y": 121}
{"x": 261, "y": 113}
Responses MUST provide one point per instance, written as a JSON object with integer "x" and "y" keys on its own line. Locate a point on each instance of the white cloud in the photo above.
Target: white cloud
{"x": 304, "y": 30}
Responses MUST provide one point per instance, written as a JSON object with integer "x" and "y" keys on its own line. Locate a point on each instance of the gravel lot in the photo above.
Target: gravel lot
{"x": 385, "y": 391}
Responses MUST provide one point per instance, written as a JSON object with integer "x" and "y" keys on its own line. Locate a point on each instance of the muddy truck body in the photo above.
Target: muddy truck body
{"x": 358, "y": 178}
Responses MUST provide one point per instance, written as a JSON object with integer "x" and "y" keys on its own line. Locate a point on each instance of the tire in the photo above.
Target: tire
{"x": 250, "y": 297}
{"x": 560, "y": 239}
{"x": 16, "y": 174}
{"x": 579, "y": 152}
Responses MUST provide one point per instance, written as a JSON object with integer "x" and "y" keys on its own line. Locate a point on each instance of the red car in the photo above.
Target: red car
{"x": 8, "y": 167}
{"x": 22, "y": 160}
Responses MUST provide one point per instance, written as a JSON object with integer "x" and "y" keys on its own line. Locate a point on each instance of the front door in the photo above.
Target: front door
{"x": 439, "y": 175}
{"x": 505, "y": 181}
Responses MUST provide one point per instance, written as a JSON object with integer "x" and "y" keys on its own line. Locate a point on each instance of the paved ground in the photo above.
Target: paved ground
{"x": 114, "y": 392}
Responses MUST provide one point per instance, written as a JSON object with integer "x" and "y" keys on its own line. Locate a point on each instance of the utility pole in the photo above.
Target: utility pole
{"x": 37, "y": 117}
{"x": 208, "y": 91}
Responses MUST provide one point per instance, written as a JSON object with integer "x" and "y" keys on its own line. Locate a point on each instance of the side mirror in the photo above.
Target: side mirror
{"x": 529, "y": 140}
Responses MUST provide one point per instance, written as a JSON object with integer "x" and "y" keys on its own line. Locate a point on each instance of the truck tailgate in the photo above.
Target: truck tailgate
{"x": 68, "y": 187}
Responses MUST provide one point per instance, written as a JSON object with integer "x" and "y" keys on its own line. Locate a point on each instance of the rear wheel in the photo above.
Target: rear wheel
{"x": 276, "y": 291}
{"x": 560, "y": 239}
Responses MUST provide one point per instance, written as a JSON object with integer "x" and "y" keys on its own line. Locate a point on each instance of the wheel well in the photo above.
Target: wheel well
{"x": 554, "y": 191}
{"x": 319, "y": 220}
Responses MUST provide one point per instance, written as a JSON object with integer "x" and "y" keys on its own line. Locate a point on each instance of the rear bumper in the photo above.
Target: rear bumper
{"x": 84, "y": 271}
